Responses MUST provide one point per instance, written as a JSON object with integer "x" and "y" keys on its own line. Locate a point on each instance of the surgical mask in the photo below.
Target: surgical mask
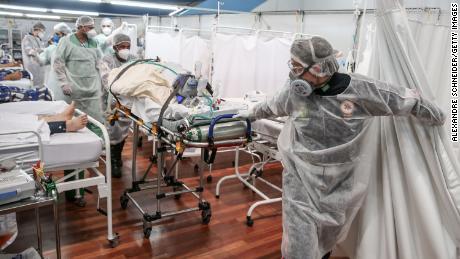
{"x": 41, "y": 35}
{"x": 123, "y": 54}
{"x": 106, "y": 31}
{"x": 91, "y": 34}
{"x": 300, "y": 86}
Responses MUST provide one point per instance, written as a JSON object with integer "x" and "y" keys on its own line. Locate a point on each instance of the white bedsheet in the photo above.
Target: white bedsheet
{"x": 13, "y": 122}
{"x": 22, "y": 83}
{"x": 62, "y": 148}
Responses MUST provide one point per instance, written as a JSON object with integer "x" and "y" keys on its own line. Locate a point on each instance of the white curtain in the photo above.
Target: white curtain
{"x": 164, "y": 45}
{"x": 179, "y": 48}
{"x": 194, "y": 49}
{"x": 244, "y": 63}
{"x": 412, "y": 210}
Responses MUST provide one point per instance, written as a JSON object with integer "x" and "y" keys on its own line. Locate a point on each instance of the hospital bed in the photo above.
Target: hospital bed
{"x": 264, "y": 147}
{"x": 75, "y": 151}
{"x": 174, "y": 136}
{"x": 25, "y": 81}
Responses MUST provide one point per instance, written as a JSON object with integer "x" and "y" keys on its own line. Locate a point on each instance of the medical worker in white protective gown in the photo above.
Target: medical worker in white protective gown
{"x": 47, "y": 58}
{"x": 322, "y": 145}
{"x": 32, "y": 45}
{"x": 120, "y": 129}
{"x": 105, "y": 39}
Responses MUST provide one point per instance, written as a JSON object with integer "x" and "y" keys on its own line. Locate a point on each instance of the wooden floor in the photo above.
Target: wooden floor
{"x": 84, "y": 230}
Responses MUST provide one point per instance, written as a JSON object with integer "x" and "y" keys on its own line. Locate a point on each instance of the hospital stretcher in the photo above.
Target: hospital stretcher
{"x": 207, "y": 134}
{"x": 75, "y": 151}
{"x": 265, "y": 144}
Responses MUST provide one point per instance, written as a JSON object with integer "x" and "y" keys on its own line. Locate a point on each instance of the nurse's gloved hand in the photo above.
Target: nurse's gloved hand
{"x": 245, "y": 114}
{"x": 67, "y": 89}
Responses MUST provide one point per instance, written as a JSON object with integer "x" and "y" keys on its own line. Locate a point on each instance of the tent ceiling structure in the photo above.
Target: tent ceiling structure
{"x": 105, "y": 8}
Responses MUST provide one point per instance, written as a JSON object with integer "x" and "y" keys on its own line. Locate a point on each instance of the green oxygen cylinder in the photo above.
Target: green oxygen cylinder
{"x": 222, "y": 131}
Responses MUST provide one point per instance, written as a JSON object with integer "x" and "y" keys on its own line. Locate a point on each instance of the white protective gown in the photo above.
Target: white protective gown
{"x": 324, "y": 154}
{"x": 31, "y": 47}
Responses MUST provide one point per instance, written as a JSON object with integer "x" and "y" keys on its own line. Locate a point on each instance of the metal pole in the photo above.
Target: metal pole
{"x": 39, "y": 230}
{"x": 201, "y": 174}
{"x": 159, "y": 172}
{"x": 56, "y": 226}
{"x": 134, "y": 151}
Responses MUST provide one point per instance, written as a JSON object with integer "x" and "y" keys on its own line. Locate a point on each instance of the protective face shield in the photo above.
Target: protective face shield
{"x": 106, "y": 30}
{"x": 91, "y": 33}
{"x": 123, "y": 54}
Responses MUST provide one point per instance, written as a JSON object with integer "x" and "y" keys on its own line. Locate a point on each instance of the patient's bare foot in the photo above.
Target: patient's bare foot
{"x": 76, "y": 123}
{"x": 65, "y": 115}
{"x": 68, "y": 111}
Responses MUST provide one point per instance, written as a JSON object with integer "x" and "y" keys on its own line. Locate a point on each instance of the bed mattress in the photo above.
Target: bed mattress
{"x": 72, "y": 148}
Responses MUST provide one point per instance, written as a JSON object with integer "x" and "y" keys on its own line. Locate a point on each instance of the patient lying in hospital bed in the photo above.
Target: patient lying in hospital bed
{"x": 45, "y": 125}
{"x": 58, "y": 149}
{"x": 13, "y": 74}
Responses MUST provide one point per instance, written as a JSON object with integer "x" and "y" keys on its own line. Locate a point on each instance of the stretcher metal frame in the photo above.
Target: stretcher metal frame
{"x": 249, "y": 179}
{"x": 101, "y": 181}
{"x": 175, "y": 142}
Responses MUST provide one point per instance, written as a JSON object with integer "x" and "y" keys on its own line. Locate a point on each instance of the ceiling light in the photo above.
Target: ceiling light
{"x": 175, "y": 12}
{"x": 11, "y": 13}
{"x": 144, "y": 4}
{"x": 18, "y": 7}
{"x": 74, "y": 12}
{"x": 43, "y": 16}
{"x": 183, "y": 12}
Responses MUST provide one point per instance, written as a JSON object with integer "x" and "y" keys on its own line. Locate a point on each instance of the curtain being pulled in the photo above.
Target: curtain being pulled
{"x": 412, "y": 210}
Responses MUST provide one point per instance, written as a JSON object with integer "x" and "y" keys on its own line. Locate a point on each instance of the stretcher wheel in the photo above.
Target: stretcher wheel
{"x": 80, "y": 202}
{"x": 115, "y": 241}
{"x": 139, "y": 142}
{"x": 249, "y": 221}
{"x": 124, "y": 201}
{"x": 205, "y": 212}
{"x": 206, "y": 216}
{"x": 256, "y": 172}
{"x": 209, "y": 178}
{"x": 147, "y": 232}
